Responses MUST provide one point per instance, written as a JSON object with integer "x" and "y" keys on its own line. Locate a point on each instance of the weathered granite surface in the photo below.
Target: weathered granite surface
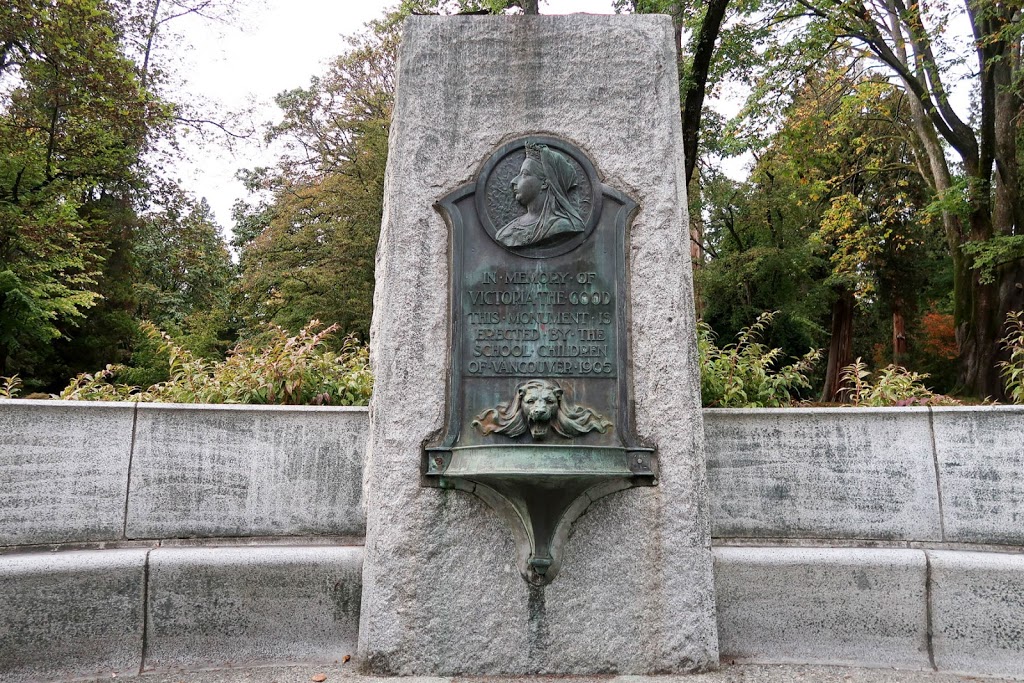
{"x": 71, "y": 614}
{"x": 851, "y": 606}
{"x": 741, "y": 673}
{"x": 441, "y": 594}
{"x": 978, "y": 612}
{"x": 246, "y": 471}
{"x": 813, "y": 473}
{"x": 981, "y": 469}
{"x": 264, "y": 605}
{"x": 63, "y": 470}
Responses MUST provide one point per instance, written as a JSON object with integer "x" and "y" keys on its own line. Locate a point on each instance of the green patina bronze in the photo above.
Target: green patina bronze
{"x": 539, "y": 414}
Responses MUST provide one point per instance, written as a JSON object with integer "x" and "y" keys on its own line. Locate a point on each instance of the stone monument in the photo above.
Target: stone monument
{"x": 533, "y": 343}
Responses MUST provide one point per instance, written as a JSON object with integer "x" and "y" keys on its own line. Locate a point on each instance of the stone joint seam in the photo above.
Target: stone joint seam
{"x": 128, "y": 482}
{"x": 145, "y": 609}
{"x": 938, "y": 481}
{"x": 929, "y": 627}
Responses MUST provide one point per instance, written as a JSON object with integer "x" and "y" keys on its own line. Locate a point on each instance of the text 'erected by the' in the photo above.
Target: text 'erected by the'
{"x": 539, "y": 323}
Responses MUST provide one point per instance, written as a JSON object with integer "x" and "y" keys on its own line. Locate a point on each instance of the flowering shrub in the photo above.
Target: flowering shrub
{"x": 745, "y": 374}
{"x": 298, "y": 370}
{"x": 1012, "y": 370}
{"x": 939, "y": 335}
{"x": 892, "y": 386}
{"x": 10, "y": 387}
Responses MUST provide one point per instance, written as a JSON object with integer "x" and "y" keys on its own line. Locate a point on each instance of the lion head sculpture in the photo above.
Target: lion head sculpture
{"x": 540, "y": 405}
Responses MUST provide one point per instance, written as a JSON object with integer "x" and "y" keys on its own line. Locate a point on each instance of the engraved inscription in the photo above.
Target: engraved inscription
{"x": 557, "y": 323}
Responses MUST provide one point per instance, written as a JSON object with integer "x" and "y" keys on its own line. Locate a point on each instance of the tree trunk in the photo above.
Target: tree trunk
{"x": 697, "y": 80}
{"x": 899, "y": 332}
{"x": 978, "y": 341}
{"x": 840, "y": 349}
{"x": 695, "y": 200}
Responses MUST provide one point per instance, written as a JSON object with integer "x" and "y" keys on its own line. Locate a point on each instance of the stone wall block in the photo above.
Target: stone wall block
{"x": 218, "y": 607}
{"x": 981, "y": 471}
{"x": 978, "y": 612}
{"x": 813, "y": 473}
{"x": 73, "y": 614}
{"x": 202, "y": 471}
{"x": 63, "y": 470}
{"x": 856, "y": 607}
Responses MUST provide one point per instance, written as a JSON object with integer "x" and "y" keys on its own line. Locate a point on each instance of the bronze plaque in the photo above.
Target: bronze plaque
{"x": 539, "y": 412}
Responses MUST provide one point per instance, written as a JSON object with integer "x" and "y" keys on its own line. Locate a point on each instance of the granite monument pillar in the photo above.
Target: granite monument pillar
{"x": 536, "y": 413}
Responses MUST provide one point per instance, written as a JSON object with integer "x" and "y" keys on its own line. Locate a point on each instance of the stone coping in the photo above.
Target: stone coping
{"x": 727, "y": 673}
{"x": 840, "y": 408}
{"x": 183, "y": 406}
{"x": 932, "y": 610}
{"x": 91, "y": 613}
{"x": 94, "y": 472}
{"x": 119, "y": 612}
{"x": 78, "y": 471}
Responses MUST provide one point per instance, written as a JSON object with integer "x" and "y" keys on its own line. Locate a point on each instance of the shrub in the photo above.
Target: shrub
{"x": 939, "y": 335}
{"x": 10, "y": 387}
{"x": 298, "y": 370}
{"x": 893, "y": 386}
{"x": 744, "y": 374}
{"x": 1012, "y": 370}
{"x": 934, "y": 350}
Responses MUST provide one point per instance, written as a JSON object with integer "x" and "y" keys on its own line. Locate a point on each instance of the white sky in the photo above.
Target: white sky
{"x": 276, "y": 46}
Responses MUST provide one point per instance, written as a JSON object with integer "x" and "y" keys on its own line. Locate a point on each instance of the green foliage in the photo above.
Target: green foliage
{"x": 308, "y": 251}
{"x": 74, "y": 120}
{"x": 917, "y": 46}
{"x": 297, "y": 370}
{"x": 1012, "y": 369}
{"x": 748, "y": 374}
{"x": 184, "y": 267}
{"x": 994, "y": 252}
{"x": 10, "y": 387}
{"x": 894, "y": 385}
{"x": 834, "y": 206}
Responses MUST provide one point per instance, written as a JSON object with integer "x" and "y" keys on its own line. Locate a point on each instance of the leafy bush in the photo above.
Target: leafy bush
{"x": 744, "y": 374}
{"x": 893, "y": 386}
{"x": 939, "y": 335}
{"x": 1012, "y": 370}
{"x": 298, "y": 370}
{"x": 10, "y": 387}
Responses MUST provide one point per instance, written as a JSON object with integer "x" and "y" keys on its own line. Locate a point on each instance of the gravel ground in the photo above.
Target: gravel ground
{"x": 745, "y": 673}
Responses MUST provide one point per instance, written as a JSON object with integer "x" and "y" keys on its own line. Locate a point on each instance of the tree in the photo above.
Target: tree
{"x": 73, "y": 123}
{"x": 309, "y": 251}
{"x": 184, "y": 269}
{"x": 981, "y": 212}
{"x": 850, "y": 135}
{"x": 831, "y": 227}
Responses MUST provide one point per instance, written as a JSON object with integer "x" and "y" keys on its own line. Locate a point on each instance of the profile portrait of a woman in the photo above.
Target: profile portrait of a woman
{"x": 543, "y": 186}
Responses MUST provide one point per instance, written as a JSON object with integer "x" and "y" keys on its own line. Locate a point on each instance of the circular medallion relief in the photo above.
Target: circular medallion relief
{"x": 538, "y": 197}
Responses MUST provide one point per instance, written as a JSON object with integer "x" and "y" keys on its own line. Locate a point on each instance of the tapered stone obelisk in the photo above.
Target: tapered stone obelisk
{"x": 441, "y": 592}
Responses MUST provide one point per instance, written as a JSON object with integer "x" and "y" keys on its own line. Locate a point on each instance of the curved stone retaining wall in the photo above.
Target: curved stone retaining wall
{"x": 953, "y": 475}
{"x": 81, "y": 471}
{"x": 95, "y": 613}
{"x": 88, "y": 490}
{"x": 955, "y": 611}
